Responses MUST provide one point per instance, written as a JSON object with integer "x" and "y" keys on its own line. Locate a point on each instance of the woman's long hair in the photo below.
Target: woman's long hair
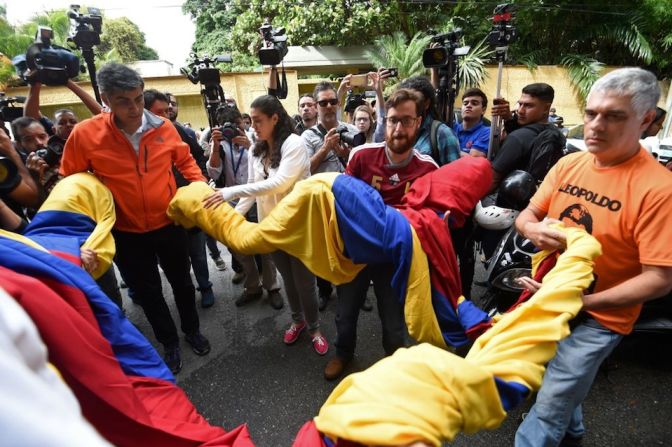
{"x": 269, "y": 106}
{"x": 372, "y": 123}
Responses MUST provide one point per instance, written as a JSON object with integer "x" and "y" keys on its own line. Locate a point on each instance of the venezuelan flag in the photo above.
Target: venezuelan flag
{"x": 123, "y": 386}
{"x": 428, "y": 394}
{"x": 336, "y": 224}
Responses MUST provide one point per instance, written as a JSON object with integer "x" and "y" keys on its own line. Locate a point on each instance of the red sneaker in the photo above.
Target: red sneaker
{"x": 320, "y": 344}
{"x": 292, "y": 334}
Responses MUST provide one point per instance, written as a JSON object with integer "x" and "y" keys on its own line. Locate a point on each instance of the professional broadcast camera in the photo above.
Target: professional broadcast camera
{"x": 503, "y": 33}
{"x": 85, "y": 28}
{"x": 274, "y": 48}
{"x": 49, "y": 64}
{"x": 349, "y": 137}
{"x": 444, "y": 57}
{"x": 203, "y": 71}
{"x": 8, "y": 111}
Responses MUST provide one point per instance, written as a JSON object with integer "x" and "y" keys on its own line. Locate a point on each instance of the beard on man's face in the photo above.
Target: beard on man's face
{"x": 401, "y": 141}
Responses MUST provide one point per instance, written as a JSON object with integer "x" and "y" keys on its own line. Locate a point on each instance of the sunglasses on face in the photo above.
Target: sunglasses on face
{"x": 331, "y": 102}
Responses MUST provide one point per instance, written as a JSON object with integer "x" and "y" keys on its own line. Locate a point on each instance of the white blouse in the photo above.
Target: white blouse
{"x": 269, "y": 185}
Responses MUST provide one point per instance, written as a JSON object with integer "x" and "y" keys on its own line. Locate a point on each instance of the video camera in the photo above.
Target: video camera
{"x": 85, "y": 28}
{"x": 203, "y": 71}
{"x": 8, "y": 111}
{"x": 441, "y": 56}
{"x": 502, "y": 33}
{"x": 49, "y": 64}
{"x": 274, "y": 48}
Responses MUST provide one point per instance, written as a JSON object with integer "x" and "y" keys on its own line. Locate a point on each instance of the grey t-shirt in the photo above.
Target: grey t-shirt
{"x": 313, "y": 139}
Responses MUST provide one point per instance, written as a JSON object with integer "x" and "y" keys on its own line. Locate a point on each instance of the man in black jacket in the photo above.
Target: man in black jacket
{"x": 158, "y": 103}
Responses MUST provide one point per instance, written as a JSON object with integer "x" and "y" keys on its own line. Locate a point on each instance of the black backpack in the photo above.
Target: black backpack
{"x": 547, "y": 148}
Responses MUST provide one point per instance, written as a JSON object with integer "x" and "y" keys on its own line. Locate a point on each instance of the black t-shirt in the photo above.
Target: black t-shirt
{"x": 516, "y": 150}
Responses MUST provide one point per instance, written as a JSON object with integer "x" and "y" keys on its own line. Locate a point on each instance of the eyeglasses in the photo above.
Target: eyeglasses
{"x": 331, "y": 102}
{"x": 407, "y": 121}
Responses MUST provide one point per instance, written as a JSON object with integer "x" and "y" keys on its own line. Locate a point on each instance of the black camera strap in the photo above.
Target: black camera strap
{"x": 281, "y": 89}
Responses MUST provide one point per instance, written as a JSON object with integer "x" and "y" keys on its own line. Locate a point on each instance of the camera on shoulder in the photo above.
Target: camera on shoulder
{"x": 49, "y": 64}
{"x": 274, "y": 47}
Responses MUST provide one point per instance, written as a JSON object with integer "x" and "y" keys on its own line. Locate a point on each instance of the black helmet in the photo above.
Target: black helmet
{"x": 516, "y": 190}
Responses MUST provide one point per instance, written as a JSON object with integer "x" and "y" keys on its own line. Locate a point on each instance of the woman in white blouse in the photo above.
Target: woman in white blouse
{"x": 279, "y": 160}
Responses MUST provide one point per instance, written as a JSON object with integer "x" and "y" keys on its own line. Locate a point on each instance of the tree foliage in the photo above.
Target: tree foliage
{"x": 125, "y": 37}
{"x": 121, "y": 40}
{"x": 608, "y": 32}
{"x": 231, "y": 26}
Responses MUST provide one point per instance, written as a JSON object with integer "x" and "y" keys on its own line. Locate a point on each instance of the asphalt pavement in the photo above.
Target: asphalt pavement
{"x": 251, "y": 377}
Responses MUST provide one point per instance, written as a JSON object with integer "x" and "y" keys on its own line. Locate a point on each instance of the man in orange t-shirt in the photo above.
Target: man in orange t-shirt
{"x": 617, "y": 192}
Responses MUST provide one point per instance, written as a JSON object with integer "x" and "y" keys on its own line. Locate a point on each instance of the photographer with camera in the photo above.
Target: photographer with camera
{"x": 326, "y": 150}
{"x": 17, "y": 187}
{"x": 229, "y": 160}
{"x": 132, "y": 151}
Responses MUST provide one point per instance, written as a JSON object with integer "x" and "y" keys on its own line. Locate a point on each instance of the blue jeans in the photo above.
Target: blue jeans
{"x": 568, "y": 379}
{"x": 199, "y": 260}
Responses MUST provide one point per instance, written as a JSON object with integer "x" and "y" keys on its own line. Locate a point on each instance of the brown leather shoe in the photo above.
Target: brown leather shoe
{"x": 335, "y": 368}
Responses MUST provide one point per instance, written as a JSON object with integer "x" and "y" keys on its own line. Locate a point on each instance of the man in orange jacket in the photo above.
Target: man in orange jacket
{"x": 132, "y": 152}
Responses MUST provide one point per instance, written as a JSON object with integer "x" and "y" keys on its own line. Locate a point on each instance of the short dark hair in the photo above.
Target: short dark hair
{"x": 540, "y": 90}
{"x": 402, "y": 95}
{"x": 423, "y": 85}
{"x": 152, "y": 95}
{"x": 227, "y": 114}
{"x": 246, "y": 115}
{"x": 113, "y": 77}
{"x": 62, "y": 111}
{"x": 307, "y": 95}
{"x": 321, "y": 87}
{"x": 21, "y": 123}
{"x": 470, "y": 92}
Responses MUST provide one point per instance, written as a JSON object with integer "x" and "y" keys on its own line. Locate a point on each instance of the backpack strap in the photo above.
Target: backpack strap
{"x": 433, "y": 140}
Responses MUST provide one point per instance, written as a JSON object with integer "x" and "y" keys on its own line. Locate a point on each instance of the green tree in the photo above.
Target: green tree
{"x": 231, "y": 26}
{"x": 397, "y": 51}
{"x": 125, "y": 37}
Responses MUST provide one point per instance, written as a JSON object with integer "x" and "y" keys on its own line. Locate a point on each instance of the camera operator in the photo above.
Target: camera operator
{"x": 17, "y": 187}
{"x": 326, "y": 151}
{"x": 229, "y": 159}
{"x": 434, "y": 138}
{"x": 133, "y": 152}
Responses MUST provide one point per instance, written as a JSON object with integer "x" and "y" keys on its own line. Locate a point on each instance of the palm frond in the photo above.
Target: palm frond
{"x": 471, "y": 67}
{"x": 583, "y": 71}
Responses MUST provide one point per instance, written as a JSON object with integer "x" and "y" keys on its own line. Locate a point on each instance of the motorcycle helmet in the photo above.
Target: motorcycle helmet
{"x": 494, "y": 217}
{"x": 516, "y": 190}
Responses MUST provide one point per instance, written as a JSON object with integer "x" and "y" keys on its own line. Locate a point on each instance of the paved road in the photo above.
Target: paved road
{"x": 252, "y": 377}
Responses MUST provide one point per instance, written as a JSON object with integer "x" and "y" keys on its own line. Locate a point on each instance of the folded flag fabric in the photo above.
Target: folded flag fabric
{"x": 123, "y": 386}
{"x": 335, "y": 224}
{"x": 79, "y": 213}
{"x": 427, "y": 394}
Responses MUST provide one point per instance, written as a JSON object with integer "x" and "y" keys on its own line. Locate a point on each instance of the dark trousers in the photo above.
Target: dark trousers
{"x": 463, "y": 245}
{"x": 323, "y": 287}
{"x": 199, "y": 261}
{"x": 390, "y": 310}
{"x": 109, "y": 285}
{"x": 136, "y": 258}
